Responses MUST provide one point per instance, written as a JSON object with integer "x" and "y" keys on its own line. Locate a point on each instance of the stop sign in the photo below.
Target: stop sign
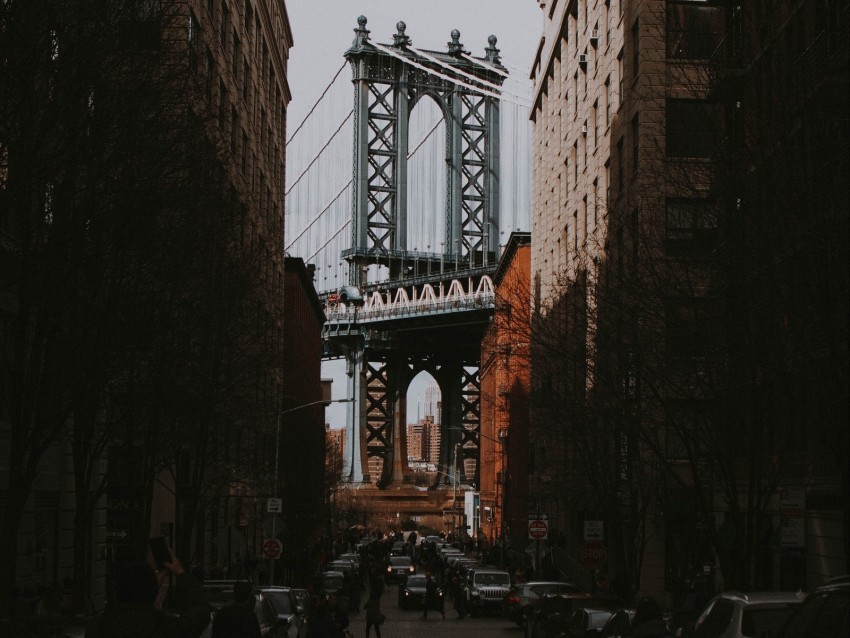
{"x": 593, "y": 554}
{"x": 272, "y": 548}
{"x": 538, "y": 529}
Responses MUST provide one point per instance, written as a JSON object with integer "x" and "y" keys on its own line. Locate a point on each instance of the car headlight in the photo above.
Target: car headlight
{"x": 474, "y": 592}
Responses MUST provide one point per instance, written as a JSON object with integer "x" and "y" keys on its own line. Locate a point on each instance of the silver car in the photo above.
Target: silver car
{"x": 735, "y": 614}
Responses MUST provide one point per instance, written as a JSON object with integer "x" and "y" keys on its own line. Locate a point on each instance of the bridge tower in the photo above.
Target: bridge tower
{"x": 429, "y": 309}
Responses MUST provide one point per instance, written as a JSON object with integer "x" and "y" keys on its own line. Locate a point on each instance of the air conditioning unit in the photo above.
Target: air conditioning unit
{"x": 594, "y": 37}
{"x": 584, "y": 129}
{"x": 582, "y": 59}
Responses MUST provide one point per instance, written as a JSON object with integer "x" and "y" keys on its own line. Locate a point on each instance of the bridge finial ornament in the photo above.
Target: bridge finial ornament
{"x": 492, "y": 53}
{"x": 401, "y": 40}
{"x": 455, "y": 47}
{"x": 361, "y": 36}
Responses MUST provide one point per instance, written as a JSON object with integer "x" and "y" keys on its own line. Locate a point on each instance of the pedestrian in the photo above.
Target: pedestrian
{"x": 431, "y": 598}
{"x": 337, "y": 612}
{"x": 238, "y": 619}
{"x": 374, "y": 617}
{"x": 132, "y": 612}
{"x": 648, "y": 621}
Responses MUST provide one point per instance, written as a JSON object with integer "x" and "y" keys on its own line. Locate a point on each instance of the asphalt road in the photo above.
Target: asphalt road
{"x": 407, "y": 623}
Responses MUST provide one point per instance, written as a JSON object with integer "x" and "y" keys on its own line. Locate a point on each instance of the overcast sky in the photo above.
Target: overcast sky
{"x": 324, "y": 29}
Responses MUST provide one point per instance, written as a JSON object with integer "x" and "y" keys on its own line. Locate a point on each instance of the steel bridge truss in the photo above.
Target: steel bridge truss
{"x": 433, "y": 323}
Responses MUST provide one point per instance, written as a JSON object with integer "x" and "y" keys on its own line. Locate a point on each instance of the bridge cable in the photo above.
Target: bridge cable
{"x": 442, "y": 64}
{"x": 319, "y": 214}
{"x": 316, "y": 103}
{"x": 320, "y": 151}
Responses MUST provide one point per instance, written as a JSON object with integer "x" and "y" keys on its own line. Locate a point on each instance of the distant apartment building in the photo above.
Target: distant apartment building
{"x": 664, "y": 264}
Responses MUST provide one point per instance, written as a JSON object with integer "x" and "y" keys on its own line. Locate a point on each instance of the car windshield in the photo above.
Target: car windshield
{"x": 757, "y": 622}
{"x": 415, "y": 581}
{"x": 281, "y": 601}
{"x": 493, "y": 579}
{"x": 400, "y": 561}
{"x": 330, "y": 583}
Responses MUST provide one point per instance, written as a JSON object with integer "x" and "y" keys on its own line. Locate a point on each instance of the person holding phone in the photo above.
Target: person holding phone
{"x": 132, "y": 613}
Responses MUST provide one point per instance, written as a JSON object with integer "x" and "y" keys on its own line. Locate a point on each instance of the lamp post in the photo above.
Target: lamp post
{"x": 277, "y": 460}
{"x": 501, "y": 479}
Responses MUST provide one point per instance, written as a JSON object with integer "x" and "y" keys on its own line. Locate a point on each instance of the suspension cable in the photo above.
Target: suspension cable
{"x": 316, "y": 103}
{"x": 318, "y": 215}
{"x": 321, "y": 150}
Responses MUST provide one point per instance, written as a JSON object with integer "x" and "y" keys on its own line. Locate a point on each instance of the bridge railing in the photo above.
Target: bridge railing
{"x": 408, "y": 301}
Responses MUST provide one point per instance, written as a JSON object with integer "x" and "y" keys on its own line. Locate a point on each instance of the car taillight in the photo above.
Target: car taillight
{"x": 513, "y": 599}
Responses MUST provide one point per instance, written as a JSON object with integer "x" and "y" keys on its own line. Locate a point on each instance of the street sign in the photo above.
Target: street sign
{"x": 538, "y": 529}
{"x": 272, "y": 548}
{"x": 593, "y": 530}
{"x": 538, "y": 516}
{"x": 275, "y": 505}
{"x": 117, "y": 533}
{"x": 593, "y": 554}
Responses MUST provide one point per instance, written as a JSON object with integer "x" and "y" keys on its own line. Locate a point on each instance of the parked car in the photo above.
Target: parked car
{"x": 411, "y": 593}
{"x": 483, "y": 589}
{"x": 341, "y": 565}
{"x": 586, "y": 623}
{"x": 736, "y": 614}
{"x": 326, "y": 583}
{"x": 522, "y": 598}
{"x": 553, "y": 611}
{"x": 619, "y": 625}
{"x": 279, "y": 613}
{"x": 823, "y": 614}
{"x": 354, "y": 557}
{"x": 399, "y": 568}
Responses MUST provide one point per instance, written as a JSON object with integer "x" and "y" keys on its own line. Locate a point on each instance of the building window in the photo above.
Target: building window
{"x": 690, "y": 326}
{"x": 692, "y": 30}
{"x": 689, "y": 128}
{"x": 620, "y": 77}
{"x": 621, "y": 167}
{"x": 608, "y": 101}
{"x": 193, "y": 38}
{"x": 636, "y": 48}
{"x": 235, "y": 58}
{"x": 225, "y": 18}
{"x": 635, "y": 142}
{"x": 690, "y": 228}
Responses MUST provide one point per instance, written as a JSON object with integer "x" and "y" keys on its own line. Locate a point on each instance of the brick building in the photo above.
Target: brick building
{"x": 662, "y": 281}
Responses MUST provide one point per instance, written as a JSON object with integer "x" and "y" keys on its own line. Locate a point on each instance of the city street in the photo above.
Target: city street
{"x": 407, "y": 623}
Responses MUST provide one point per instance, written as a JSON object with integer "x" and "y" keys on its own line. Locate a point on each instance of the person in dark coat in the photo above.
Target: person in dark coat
{"x": 431, "y": 598}
{"x": 648, "y": 621}
{"x": 238, "y": 620}
{"x": 133, "y": 614}
{"x": 374, "y": 617}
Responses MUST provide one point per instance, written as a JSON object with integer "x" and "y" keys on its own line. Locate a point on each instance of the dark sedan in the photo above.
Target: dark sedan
{"x": 554, "y": 612}
{"x": 399, "y": 568}
{"x": 520, "y": 601}
{"x": 411, "y": 593}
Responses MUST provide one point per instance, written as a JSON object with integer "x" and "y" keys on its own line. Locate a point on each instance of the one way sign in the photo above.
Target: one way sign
{"x": 593, "y": 530}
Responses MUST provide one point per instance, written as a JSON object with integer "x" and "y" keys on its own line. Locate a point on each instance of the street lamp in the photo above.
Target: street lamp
{"x": 277, "y": 457}
{"x": 502, "y": 480}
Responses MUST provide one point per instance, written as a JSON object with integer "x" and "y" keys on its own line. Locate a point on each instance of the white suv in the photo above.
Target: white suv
{"x": 755, "y": 615}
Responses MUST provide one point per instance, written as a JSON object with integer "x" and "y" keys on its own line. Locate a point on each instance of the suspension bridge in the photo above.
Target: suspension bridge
{"x": 404, "y": 179}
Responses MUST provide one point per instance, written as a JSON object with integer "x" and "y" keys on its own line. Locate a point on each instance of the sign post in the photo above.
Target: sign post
{"x": 272, "y": 548}
{"x": 593, "y": 555}
{"x": 538, "y": 530}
